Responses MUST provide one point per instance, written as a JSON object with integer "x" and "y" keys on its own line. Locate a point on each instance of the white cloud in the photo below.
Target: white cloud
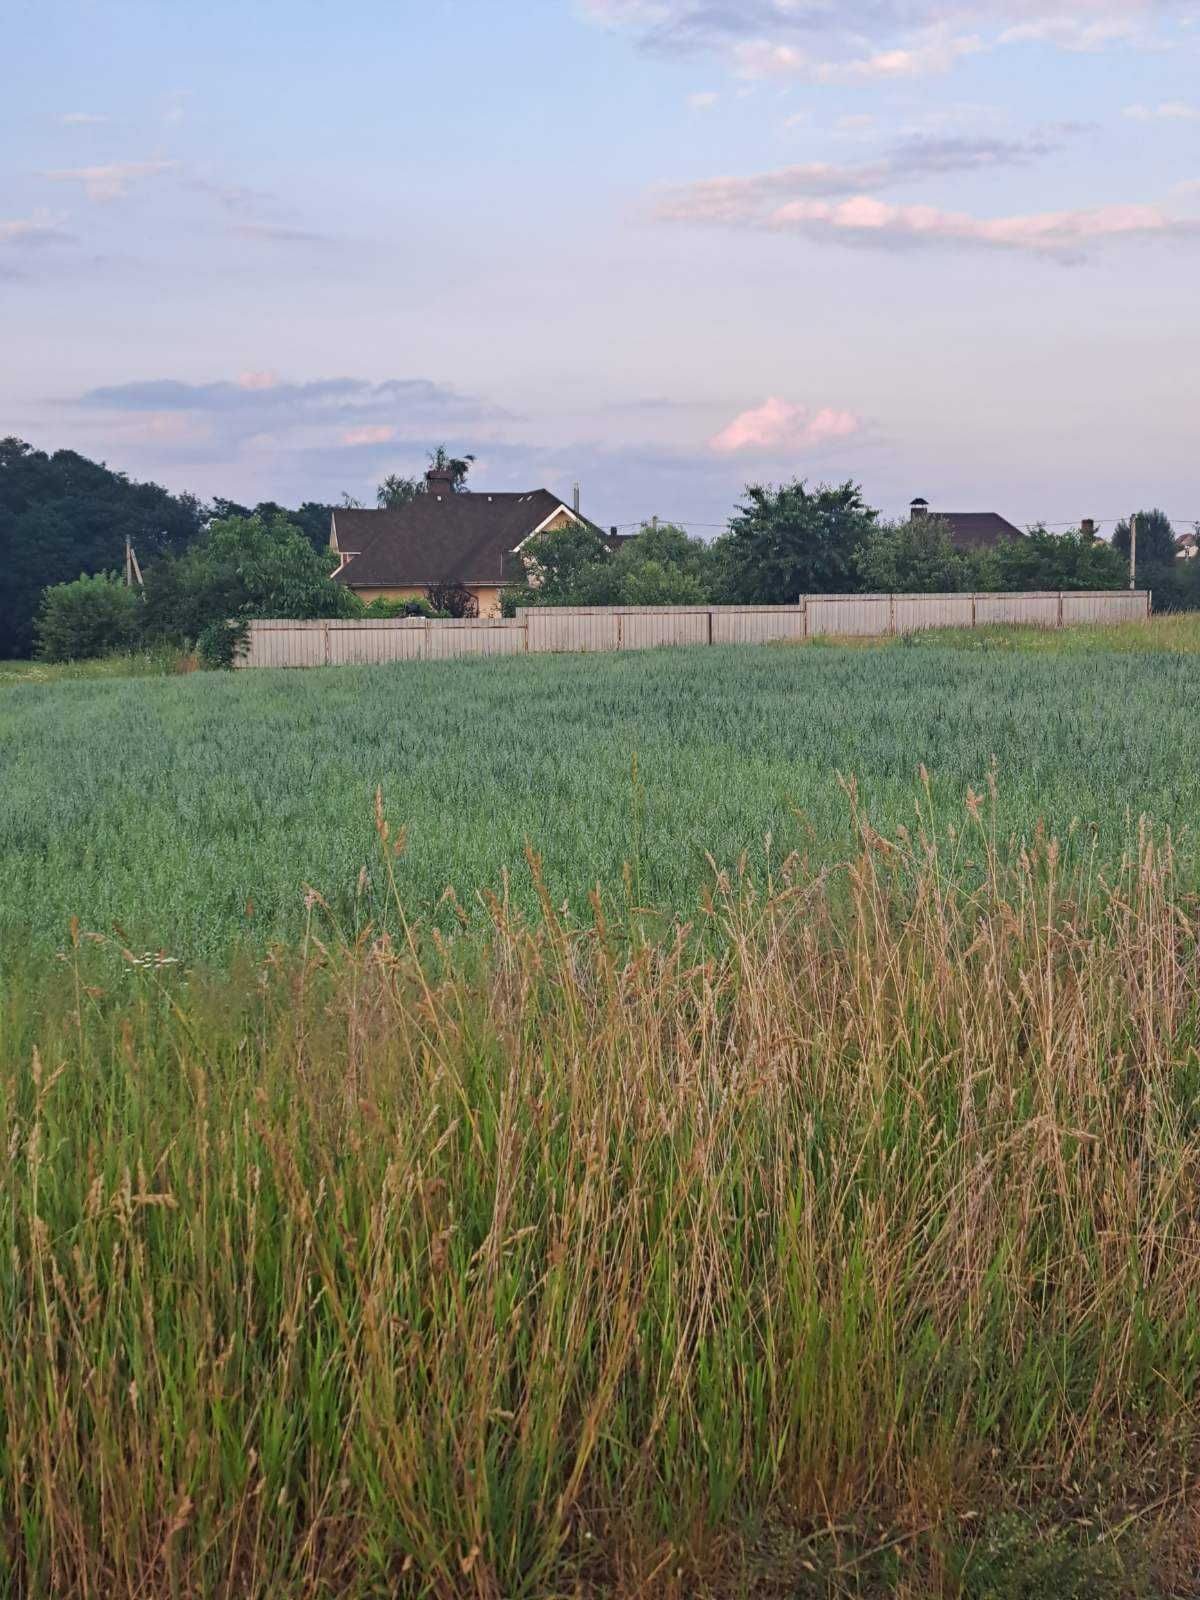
{"x": 35, "y": 230}
{"x": 705, "y": 100}
{"x": 1165, "y": 111}
{"x": 876, "y": 40}
{"x": 1066, "y": 234}
{"x": 738, "y": 199}
{"x": 112, "y": 182}
{"x": 928, "y": 56}
{"x": 779, "y": 425}
{"x": 81, "y": 119}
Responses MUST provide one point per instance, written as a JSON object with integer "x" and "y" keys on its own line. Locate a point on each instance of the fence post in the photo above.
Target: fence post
{"x": 325, "y": 642}
{"x": 891, "y": 613}
{"x": 974, "y": 623}
{"x": 710, "y": 625}
{"x": 620, "y": 631}
{"x": 1060, "y": 608}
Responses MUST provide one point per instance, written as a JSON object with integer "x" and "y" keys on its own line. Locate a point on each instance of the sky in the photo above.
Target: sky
{"x": 661, "y": 248}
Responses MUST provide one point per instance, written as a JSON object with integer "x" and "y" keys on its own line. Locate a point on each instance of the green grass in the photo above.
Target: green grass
{"x": 193, "y": 811}
{"x": 850, "y": 1249}
{"x": 139, "y": 664}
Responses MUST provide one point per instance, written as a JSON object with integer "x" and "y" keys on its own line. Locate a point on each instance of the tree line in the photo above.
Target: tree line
{"x": 210, "y": 568}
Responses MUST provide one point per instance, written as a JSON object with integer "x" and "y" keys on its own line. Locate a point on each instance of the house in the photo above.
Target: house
{"x": 441, "y": 538}
{"x": 969, "y": 530}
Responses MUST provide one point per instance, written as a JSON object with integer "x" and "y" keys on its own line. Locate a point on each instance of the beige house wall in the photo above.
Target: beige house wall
{"x": 487, "y": 598}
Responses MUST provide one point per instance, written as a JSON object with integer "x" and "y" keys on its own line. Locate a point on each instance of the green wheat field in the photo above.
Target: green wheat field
{"x": 702, "y": 1123}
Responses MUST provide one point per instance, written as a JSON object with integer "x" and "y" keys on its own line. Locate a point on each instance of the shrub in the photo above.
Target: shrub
{"x": 451, "y": 600}
{"x": 93, "y": 616}
{"x": 384, "y": 610}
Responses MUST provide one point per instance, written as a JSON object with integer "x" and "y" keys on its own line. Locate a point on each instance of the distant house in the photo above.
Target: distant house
{"x": 441, "y": 538}
{"x": 969, "y": 530}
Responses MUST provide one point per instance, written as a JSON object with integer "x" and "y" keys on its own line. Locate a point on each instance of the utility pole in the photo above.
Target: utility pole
{"x": 1133, "y": 522}
{"x": 133, "y": 572}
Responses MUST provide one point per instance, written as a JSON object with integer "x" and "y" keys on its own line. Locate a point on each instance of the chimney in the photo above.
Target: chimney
{"x": 918, "y": 508}
{"x": 439, "y": 481}
{"x": 1088, "y": 527}
{"x": 576, "y": 499}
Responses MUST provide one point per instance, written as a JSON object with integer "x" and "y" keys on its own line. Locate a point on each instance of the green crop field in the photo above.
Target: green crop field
{"x": 193, "y": 811}
{"x": 833, "y": 1234}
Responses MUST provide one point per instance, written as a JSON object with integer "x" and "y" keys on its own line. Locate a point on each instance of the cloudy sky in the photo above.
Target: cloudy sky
{"x": 662, "y": 247}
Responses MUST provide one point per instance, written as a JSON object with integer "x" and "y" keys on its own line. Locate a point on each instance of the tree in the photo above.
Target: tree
{"x": 565, "y": 562}
{"x": 789, "y": 541}
{"x": 440, "y": 460}
{"x": 62, "y": 515}
{"x": 1044, "y": 560}
{"x": 914, "y": 557}
{"x": 93, "y": 616}
{"x": 1156, "y": 543}
{"x": 396, "y": 491}
{"x": 241, "y": 567}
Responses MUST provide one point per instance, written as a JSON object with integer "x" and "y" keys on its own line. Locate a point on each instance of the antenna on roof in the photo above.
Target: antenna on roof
{"x": 576, "y": 499}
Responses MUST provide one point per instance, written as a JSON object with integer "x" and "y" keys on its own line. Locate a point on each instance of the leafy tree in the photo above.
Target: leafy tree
{"x": 1156, "y": 542}
{"x": 62, "y": 515}
{"x": 240, "y": 568}
{"x": 1044, "y": 560}
{"x": 93, "y": 616}
{"x": 914, "y": 557}
{"x": 562, "y": 564}
{"x": 440, "y": 460}
{"x": 395, "y": 492}
{"x": 789, "y": 541}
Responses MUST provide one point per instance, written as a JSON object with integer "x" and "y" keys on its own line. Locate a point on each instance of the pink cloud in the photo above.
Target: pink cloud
{"x": 258, "y": 380}
{"x": 779, "y": 425}
{"x": 1046, "y": 232}
{"x": 369, "y": 435}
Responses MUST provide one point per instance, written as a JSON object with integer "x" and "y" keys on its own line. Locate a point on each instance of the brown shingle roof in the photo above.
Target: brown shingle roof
{"x": 977, "y": 530}
{"x": 460, "y": 538}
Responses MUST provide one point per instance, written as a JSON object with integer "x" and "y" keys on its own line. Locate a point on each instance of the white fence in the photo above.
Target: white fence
{"x": 541, "y": 629}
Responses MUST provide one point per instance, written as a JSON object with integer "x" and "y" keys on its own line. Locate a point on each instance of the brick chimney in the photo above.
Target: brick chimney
{"x": 1088, "y": 527}
{"x": 918, "y": 508}
{"x": 439, "y": 481}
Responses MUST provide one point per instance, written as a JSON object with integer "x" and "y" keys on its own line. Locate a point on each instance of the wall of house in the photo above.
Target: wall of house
{"x": 488, "y": 599}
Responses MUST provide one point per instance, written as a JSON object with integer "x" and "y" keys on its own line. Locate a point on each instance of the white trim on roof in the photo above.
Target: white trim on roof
{"x": 542, "y": 526}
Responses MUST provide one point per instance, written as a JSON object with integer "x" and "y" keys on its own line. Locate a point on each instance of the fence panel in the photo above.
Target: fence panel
{"x": 757, "y": 625}
{"x": 1122, "y": 606}
{"x": 651, "y": 626}
{"x": 849, "y": 614}
{"x": 913, "y": 612}
{"x": 570, "y": 629}
{"x": 473, "y": 636}
{"x": 1040, "y": 610}
{"x": 363, "y": 644}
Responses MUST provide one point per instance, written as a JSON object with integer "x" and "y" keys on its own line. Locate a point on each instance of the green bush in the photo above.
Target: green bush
{"x": 242, "y": 568}
{"x": 93, "y": 616}
{"x": 381, "y": 610}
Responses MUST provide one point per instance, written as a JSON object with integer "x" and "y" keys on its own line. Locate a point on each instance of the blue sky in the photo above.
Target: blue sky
{"x": 662, "y": 247}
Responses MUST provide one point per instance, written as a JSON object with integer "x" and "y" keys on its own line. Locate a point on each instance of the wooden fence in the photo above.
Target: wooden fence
{"x": 541, "y": 629}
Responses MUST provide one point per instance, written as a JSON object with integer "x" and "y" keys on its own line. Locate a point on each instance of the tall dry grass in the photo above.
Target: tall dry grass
{"x": 780, "y": 1248}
